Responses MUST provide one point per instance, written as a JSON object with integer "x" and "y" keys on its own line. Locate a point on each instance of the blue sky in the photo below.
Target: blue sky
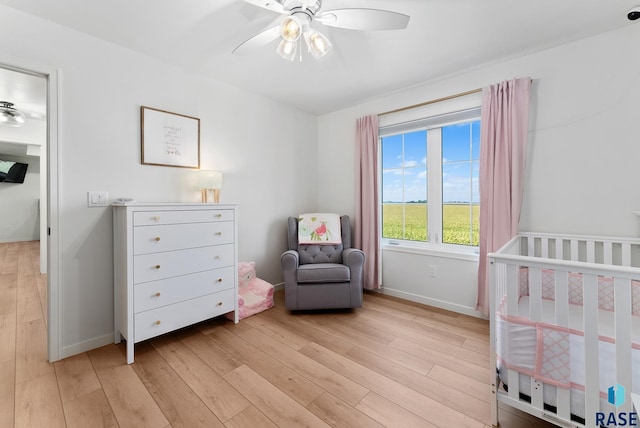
{"x": 460, "y": 164}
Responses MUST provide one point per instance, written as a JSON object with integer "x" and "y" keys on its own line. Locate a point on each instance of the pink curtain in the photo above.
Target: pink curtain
{"x": 503, "y": 151}
{"x": 366, "y": 230}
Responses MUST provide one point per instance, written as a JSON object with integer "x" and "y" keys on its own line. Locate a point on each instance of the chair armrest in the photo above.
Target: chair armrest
{"x": 290, "y": 260}
{"x": 353, "y": 257}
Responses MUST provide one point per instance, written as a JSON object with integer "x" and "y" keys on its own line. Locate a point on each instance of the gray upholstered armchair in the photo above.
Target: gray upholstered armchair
{"x": 322, "y": 276}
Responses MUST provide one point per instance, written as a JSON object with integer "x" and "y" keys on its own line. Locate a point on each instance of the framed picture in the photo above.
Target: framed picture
{"x": 169, "y": 139}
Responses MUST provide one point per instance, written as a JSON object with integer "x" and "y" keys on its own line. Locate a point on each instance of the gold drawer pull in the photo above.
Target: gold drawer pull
{"x": 219, "y": 303}
{"x": 218, "y": 233}
{"x": 156, "y": 218}
{"x": 217, "y": 257}
{"x": 157, "y": 294}
{"x": 157, "y": 266}
{"x": 219, "y": 280}
{"x": 157, "y": 239}
{"x": 158, "y": 322}
{"x": 218, "y": 215}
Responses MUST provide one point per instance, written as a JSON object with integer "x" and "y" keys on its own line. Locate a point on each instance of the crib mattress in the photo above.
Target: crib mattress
{"x": 559, "y": 362}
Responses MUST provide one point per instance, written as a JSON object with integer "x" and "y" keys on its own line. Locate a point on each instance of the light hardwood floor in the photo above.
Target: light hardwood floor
{"x": 389, "y": 364}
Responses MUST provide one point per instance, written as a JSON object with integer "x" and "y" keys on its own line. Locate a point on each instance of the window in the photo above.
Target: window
{"x": 429, "y": 176}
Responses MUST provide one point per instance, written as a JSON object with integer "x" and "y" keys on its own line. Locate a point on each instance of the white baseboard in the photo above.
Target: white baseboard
{"x": 453, "y": 307}
{"x": 12, "y": 240}
{"x": 78, "y": 348}
{"x": 278, "y": 287}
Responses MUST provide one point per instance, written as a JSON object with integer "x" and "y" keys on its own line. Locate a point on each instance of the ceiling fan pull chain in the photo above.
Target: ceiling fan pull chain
{"x": 299, "y": 49}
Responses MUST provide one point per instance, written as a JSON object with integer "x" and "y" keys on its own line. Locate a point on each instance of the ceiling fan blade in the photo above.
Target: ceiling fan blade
{"x": 259, "y": 40}
{"x": 364, "y": 19}
{"x": 272, "y": 5}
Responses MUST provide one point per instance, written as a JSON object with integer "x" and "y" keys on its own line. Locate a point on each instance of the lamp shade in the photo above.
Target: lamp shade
{"x": 209, "y": 179}
{"x": 290, "y": 28}
{"x": 319, "y": 44}
{"x": 287, "y": 49}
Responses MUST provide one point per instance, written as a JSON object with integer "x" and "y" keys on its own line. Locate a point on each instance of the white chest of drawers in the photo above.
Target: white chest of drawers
{"x": 175, "y": 265}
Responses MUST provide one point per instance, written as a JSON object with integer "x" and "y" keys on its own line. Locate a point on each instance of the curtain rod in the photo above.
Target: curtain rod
{"x": 437, "y": 100}
{"x": 461, "y": 94}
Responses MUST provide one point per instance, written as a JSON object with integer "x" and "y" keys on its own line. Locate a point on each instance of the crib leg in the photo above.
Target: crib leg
{"x": 495, "y": 383}
{"x": 494, "y": 402}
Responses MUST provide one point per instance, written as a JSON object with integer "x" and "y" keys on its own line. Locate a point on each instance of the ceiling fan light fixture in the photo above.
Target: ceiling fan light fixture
{"x": 301, "y": 14}
{"x": 287, "y": 49}
{"x": 291, "y": 28}
{"x": 319, "y": 44}
{"x": 10, "y": 116}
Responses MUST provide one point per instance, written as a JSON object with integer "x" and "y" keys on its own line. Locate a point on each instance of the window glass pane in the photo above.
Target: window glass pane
{"x": 460, "y": 183}
{"x": 404, "y": 221}
{"x": 456, "y": 203}
{"x": 392, "y": 152}
{"x": 393, "y": 221}
{"x": 392, "y": 186}
{"x": 415, "y": 222}
{"x": 457, "y": 224}
{"x": 415, "y": 184}
{"x": 475, "y": 140}
{"x": 456, "y": 182}
{"x": 415, "y": 149}
{"x": 456, "y": 142}
{"x": 404, "y": 184}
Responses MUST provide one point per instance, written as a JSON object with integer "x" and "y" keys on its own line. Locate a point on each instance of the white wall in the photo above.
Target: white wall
{"x": 20, "y": 212}
{"x": 582, "y": 156}
{"x": 583, "y": 153}
{"x": 102, "y": 88}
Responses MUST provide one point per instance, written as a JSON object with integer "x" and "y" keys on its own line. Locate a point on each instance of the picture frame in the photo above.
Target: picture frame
{"x": 169, "y": 139}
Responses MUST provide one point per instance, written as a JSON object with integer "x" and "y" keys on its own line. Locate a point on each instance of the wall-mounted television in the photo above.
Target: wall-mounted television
{"x": 12, "y": 172}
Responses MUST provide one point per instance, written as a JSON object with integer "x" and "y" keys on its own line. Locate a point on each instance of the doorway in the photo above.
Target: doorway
{"x": 33, "y": 90}
{"x": 23, "y": 144}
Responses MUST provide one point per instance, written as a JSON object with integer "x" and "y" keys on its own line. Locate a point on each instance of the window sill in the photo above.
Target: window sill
{"x": 470, "y": 254}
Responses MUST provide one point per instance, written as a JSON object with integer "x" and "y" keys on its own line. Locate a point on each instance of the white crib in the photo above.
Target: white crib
{"x": 565, "y": 327}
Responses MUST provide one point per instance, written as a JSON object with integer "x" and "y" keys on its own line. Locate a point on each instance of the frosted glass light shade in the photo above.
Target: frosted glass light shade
{"x": 319, "y": 44}
{"x": 287, "y": 49}
{"x": 290, "y": 28}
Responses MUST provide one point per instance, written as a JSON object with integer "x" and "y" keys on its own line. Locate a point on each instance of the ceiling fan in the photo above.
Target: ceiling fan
{"x": 300, "y": 14}
{"x": 11, "y": 116}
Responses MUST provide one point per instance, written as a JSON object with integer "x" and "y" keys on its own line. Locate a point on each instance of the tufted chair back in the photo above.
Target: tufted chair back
{"x": 311, "y": 253}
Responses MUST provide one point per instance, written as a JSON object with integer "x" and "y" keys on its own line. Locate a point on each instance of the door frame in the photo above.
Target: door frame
{"x": 51, "y": 194}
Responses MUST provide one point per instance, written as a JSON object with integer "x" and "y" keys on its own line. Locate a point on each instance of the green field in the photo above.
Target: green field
{"x": 456, "y": 223}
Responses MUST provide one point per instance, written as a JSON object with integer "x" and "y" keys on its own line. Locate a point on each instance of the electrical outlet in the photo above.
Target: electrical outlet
{"x": 432, "y": 271}
{"x": 97, "y": 198}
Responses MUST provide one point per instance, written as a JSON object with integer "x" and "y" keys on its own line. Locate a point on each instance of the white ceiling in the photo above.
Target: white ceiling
{"x": 26, "y": 91}
{"x": 443, "y": 37}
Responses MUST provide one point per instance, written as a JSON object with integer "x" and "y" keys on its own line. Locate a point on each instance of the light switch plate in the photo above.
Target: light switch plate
{"x": 97, "y": 198}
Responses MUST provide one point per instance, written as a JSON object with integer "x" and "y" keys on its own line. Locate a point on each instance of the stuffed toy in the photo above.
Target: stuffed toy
{"x": 246, "y": 272}
{"x": 254, "y": 294}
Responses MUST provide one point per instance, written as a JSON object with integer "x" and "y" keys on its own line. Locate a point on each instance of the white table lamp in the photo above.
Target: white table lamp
{"x": 210, "y": 181}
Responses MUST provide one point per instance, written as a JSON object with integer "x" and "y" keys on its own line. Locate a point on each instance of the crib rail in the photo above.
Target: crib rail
{"x": 589, "y": 249}
{"x": 560, "y": 271}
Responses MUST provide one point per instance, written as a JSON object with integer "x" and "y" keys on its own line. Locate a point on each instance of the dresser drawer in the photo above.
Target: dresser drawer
{"x": 152, "y": 267}
{"x": 150, "y": 218}
{"x": 152, "y": 323}
{"x": 155, "y": 294}
{"x": 154, "y": 239}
